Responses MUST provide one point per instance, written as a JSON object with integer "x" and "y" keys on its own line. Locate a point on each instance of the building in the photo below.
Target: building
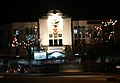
{"x": 55, "y": 33}
{"x": 56, "y": 36}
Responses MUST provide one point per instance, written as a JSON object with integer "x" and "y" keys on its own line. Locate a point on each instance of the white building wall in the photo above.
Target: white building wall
{"x": 67, "y": 35}
{"x": 44, "y": 35}
{"x": 44, "y": 38}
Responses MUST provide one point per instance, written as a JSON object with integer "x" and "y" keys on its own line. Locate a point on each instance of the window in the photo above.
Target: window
{"x": 60, "y": 42}
{"x": 17, "y": 32}
{"x": 79, "y": 27}
{"x": 75, "y": 31}
{"x": 83, "y": 33}
{"x": 50, "y": 42}
{"x": 60, "y": 35}
{"x": 76, "y": 42}
{"x": 55, "y": 42}
{"x": 84, "y": 44}
{"x": 79, "y": 35}
{"x": 50, "y": 35}
{"x": 75, "y": 35}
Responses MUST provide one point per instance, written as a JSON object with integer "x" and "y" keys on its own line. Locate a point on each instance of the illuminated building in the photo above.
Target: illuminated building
{"x": 53, "y": 33}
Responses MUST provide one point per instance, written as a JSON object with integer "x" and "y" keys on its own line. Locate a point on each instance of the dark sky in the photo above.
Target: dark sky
{"x": 31, "y": 10}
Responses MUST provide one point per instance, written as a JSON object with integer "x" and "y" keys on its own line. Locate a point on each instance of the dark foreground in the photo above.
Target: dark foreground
{"x": 37, "y": 78}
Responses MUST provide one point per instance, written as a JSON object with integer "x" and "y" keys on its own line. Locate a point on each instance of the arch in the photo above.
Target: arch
{"x": 50, "y": 12}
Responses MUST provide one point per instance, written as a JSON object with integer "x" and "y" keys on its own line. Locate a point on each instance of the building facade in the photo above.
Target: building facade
{"x": 55, "y": 33}
{"x": 56, "y": 36}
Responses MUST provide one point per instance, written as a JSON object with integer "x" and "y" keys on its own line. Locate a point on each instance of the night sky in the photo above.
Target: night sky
{"x": 31, "y": 10}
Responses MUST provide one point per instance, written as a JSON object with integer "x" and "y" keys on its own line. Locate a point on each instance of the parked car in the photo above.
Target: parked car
{"x": 11, "y": 70}
{"x": 30, "y": 69}
{"x": 14, "y": 68}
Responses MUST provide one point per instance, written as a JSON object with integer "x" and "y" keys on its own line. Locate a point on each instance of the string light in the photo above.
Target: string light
{"x": 110, "y": 22}
{"x": 29, "y": 42}
{"x": 103, "y": 32}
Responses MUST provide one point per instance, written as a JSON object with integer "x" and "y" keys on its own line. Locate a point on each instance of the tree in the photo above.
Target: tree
{"x": 102, "y": 36}
{"x": 68, "y": 53}
{"x": 27, "y": 38}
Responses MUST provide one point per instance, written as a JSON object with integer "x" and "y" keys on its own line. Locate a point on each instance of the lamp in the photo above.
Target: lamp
{"x": 54, "y": 12}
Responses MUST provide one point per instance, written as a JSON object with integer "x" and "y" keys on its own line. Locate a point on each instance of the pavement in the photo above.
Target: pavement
{"x": 110, "y": 77}
{"x": 71, "y": 77}
{"x": 65, "y": 73}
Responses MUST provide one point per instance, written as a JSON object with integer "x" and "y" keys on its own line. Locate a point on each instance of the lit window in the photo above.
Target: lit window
{"x": 75, "y": 31}
{"x": 17, "y": 32}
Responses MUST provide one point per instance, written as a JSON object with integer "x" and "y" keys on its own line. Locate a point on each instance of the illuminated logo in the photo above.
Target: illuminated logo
{"x": 55, "y": 24}
{"x": 56, "y": 55}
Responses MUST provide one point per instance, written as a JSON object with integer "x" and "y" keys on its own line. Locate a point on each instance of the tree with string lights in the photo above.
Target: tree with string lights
{"x": 103, "y": 36}
{"x": 26, "y": 39}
